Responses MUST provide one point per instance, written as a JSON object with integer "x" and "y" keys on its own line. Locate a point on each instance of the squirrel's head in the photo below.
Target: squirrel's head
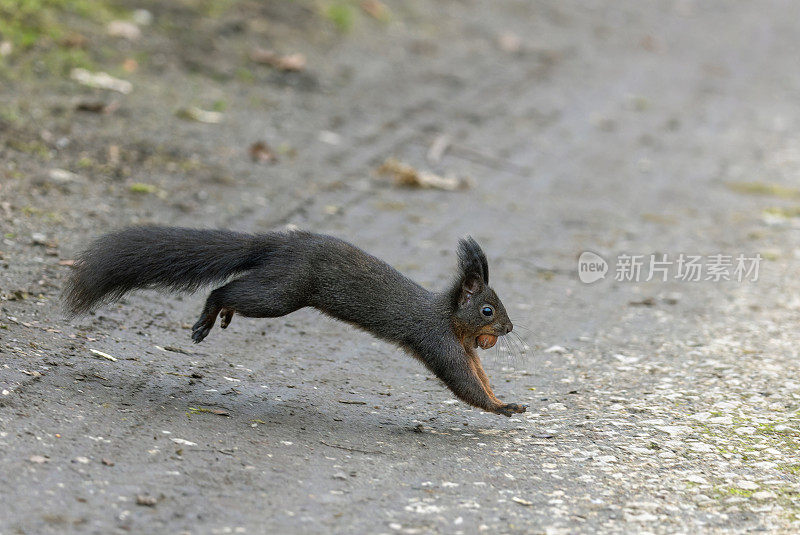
{"x": 479, "y": 316}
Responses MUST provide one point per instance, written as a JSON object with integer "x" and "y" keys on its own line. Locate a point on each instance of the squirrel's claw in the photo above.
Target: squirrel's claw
{"x": 199, "y": 333}
{"x": 511, "y": 408}
{"x": 201, "y": 329}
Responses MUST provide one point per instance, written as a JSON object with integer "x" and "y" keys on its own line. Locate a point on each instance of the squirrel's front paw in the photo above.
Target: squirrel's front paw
{"x": 511, "y": 408}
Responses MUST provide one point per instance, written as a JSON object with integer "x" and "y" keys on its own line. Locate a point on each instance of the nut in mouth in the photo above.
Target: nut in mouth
{"x": 485, "y": 341}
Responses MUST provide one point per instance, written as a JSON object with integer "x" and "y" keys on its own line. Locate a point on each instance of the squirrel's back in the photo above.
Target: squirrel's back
{"x": 331, "y": 274}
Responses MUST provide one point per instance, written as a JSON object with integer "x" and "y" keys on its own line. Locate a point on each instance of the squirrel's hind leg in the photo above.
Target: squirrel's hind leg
{"x": 251, "y": 296}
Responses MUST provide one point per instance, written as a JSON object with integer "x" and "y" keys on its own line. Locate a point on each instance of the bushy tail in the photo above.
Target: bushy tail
{"x": 178, "y": 259}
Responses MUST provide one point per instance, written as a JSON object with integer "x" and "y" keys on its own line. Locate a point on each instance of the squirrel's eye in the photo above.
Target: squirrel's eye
{"x": 487, "y": 311}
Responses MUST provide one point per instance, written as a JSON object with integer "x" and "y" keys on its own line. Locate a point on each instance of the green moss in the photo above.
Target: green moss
{"x": 342, "y": 15}
{"x": 739, "y": 492}
{"x": 791, "y": 468}
{"x": 10, "y": 115}
{"x": 142, "y": 188}
{"x": 785, "y": 212}
{"x": 60, "y": 61}
{"x": 245, "y": 75}
{"x": 35, "y": 148}
{"x": 28, "y": 23}
{"x": 764, "y": 188}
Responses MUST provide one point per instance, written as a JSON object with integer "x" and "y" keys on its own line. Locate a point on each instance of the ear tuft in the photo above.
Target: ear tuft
{"x": 473, "y": 273}
{"x": 472, "y": 260}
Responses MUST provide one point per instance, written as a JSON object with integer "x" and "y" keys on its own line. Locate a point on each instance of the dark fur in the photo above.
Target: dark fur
{"x": 279, "y": 273}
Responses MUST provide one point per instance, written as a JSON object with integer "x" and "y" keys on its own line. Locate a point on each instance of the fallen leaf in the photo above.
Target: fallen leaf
{"x": 101, "y": 80}
{"x": 98, "y": 107}
{"x": 175, "y": 350}
{"x": 199, "y": 410}
{"x": 376, "y": 10}
{"x": 201, "y": 116}
{"x": 62, "y": 176}
{"x": 289, "y": 62}
{"x": 408, "y": 177}
{"x": 261, "y": 153}
{"x": 124, "y": 29}
{"x": 521, "y": 501}
{"x": 113, "y": 155}
{"x": 130, "y": 65}
{"x": 103, "y": 355}
{"x": 148, "y": 501}
{"x": 74, "y": 40}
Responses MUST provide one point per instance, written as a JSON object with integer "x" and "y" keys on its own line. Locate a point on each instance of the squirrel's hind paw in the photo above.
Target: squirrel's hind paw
{"x": 511, "y": 408}
{"x": 201, "y": 329}
{"x": 199, "y": 333}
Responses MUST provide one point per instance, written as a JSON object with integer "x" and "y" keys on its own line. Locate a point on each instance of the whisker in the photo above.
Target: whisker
{"x": 513, "y": 356}
{"x": 509, "y": 350}
{"x": 524, "y": 345}
{"x": 515, "y": 344}
{"x": 493, "y": 356}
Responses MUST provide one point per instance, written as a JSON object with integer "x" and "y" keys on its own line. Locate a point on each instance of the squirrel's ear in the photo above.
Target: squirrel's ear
{"x": 474, "y": 270}
{"x": 470, "y": 285}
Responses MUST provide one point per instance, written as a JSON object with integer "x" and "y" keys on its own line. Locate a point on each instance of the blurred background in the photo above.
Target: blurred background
{"x": 544, "y": 129}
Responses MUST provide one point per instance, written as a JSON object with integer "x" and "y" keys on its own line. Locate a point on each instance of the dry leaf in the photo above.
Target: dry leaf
{"x": 103, "y": 355}
{"x": 101, "y": 80}
{"x": 408, "y": 177}
{"x": 290, "y": 62}
{"x": 130, "y": 65}
{"x": 183, "y": 442}
{"x": 201, "y": 116}
{"x": 147, "y": 501}
{"x": 375, "y": 9}
{"x": 74, "y": 40}
{"x": 261, "y": 153}
{"x": 123, "y": 28}
{"x": 98, "y": 107}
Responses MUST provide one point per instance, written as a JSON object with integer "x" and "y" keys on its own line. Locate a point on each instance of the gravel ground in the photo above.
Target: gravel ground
{"x": 619, "y": 128}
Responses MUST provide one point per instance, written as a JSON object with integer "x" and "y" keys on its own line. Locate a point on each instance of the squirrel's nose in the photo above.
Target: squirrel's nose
{"x": 509, "y": 327}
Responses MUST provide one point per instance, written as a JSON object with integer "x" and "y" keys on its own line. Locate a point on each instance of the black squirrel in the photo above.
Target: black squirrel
{"x": 280, "y": 272}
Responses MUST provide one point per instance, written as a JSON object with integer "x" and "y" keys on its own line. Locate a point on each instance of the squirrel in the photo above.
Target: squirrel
{"x": 276, "y": 273}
